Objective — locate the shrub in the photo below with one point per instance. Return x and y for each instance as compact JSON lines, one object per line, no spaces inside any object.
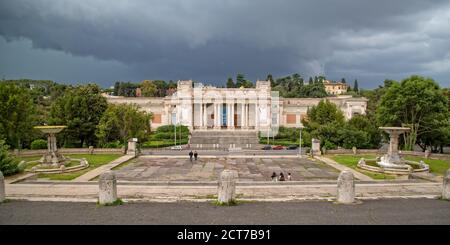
{"x":114,"y":144}
{"x":8,"y":164}
{"x":39,"y":144}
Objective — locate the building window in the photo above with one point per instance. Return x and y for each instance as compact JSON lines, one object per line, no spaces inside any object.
{"x":156,"y":118}
{"x":291,"y":119}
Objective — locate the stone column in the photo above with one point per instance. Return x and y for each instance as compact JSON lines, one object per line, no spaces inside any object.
{"x":228,"y":116}
{"x":315,"y":147}
{"x":132,"y":149}
{"x":2,"y":188}
{"x":393,"y":143}
{"x":346,"y":188}
{"x":107,"y":193}
{"x":200,"y":115}
{"x":216,"y":116}
{"x":232,"y":115}
{"x":205,"y":116}
{"x":242,"y":115}
{"x":256,"y":116}
{"x":227,"y":187}
{"x":446,"y":186}
{"x":246,"y":115}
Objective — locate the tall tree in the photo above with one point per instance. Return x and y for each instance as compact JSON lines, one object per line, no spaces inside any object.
{"x":310,"y":80}
{"x":230,"y":83}
{"x":343,"y":80}
{"x":417,"y":103}
{"x":149,"y":89}
{"x":269,"y":78}
{"x":17,"y":114}
{"x":80,"y":109}
{"x":122,"y":122}
{"x":355,"y":86}
{"x":240,"y":80}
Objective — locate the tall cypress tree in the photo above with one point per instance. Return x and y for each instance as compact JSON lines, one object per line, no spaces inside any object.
{"x":355,"y":86}
{"x":230,"y":83}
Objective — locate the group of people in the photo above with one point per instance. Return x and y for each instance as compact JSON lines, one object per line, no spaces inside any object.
{"x":275,"y":177}
{"x":195,"y":154}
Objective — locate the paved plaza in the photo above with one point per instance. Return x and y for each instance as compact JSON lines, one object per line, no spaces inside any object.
{"x":208,"y":169}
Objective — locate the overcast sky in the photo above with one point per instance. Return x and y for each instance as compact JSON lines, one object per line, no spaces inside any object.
{"x":209,"y":40}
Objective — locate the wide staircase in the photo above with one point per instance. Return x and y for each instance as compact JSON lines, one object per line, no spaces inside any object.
{"x":221,"y":139}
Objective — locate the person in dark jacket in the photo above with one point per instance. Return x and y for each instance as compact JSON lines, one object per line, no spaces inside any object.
{"x":282,"y":177}
{"x":195,"y":155}
{"x":190,"y":155}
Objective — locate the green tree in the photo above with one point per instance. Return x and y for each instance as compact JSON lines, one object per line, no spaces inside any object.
{"x":325,"y":112}
{"x":122,"y":122}
{"x":80,"y":109}
{"x":343,"y":80}
{"x":8,"y":164}
{"x":17,"y":114}
{"x":269,"y":78}
{"x":148,"y":88}
{"x":230,"y":83}
{"x":417,"y":103}
{"x":240,"y":79}
{"x":355,"y":86}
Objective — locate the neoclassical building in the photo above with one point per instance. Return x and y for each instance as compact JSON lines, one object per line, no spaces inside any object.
{"x":237,"y":109}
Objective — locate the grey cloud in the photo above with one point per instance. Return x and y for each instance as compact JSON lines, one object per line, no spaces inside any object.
{"x":210,"y":40}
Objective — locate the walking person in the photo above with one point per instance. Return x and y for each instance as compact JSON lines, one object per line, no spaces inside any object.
{"x":190,"y":155}
{"x":195,"y":155}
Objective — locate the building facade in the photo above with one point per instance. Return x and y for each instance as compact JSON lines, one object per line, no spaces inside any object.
{"x":251,"y":109}
{"x":335,"y":88}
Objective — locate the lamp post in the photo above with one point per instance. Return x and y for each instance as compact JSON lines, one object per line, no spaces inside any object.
{"x":175,"y":129}
{"x":300,"y":143}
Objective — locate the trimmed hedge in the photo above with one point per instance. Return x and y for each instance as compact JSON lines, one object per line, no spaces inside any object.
{"x":38,"y":144}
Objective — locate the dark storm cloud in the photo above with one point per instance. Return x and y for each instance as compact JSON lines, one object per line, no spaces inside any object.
{"x":210,"y":40}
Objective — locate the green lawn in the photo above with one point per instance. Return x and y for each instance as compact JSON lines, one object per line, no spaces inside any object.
{"x":436,"y":166}
{"x":352,"y":160}
{"x":94,"y":160}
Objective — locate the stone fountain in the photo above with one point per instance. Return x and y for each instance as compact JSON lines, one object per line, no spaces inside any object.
{"x":392,"y":162}
{"x":392,"y":159}
{"x":52,"y":156}
{"x":53,"y":162}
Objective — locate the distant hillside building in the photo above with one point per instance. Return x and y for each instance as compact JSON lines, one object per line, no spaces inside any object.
{"x":335,"y":88}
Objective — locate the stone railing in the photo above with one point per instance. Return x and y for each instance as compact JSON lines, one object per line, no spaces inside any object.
{"x":68,"y":151}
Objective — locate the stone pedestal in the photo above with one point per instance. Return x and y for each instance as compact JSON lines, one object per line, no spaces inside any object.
{"x":107,"y":193}
{"x":446,"y":186}
{"x":427,"y":153}
{"x":2,"y":187}
{"x":346,"y":188}
{"x":392,"y":159}
{"x":315,"y":147}
{"x":132,"y":149}
{"x":227,"y":186}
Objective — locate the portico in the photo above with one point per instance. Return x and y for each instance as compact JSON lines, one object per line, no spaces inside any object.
{"x":208,"y":108}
